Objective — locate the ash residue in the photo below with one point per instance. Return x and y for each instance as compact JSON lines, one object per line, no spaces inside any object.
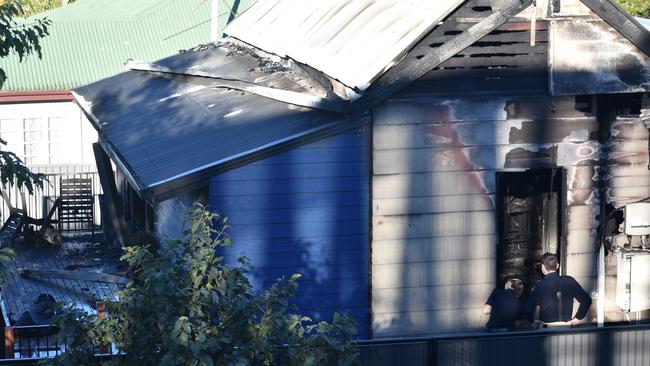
{"x":237,"y":49}
{"x":201,"y":47}
{"x":84,"y":248}
{"x":266,"y":64}
{"x":269,"y":66}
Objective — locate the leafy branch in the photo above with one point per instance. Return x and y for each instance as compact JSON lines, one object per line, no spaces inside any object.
{"x":185,"y":306}
{"x":21,"y":38}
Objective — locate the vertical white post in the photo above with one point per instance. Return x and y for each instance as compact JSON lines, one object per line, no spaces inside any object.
{"x":214,"y":21}
{"x":533,"y":25}
{"x":600,"y":305}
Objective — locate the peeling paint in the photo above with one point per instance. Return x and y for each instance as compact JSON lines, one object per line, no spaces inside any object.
{"x":445,"y":158}
{"x":576,"y":154}
{"x":580,"y":135}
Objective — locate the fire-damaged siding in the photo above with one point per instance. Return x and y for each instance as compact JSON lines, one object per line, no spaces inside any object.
{"x":305,"y":211}
{"x":434,"y":221}
{"x":626,"y":173}
{"x":626,"y":179}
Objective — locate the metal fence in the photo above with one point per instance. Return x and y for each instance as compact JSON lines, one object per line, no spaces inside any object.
{"x":39,"y":203}
{"x":37,"y":342}
{"x":33,"y":341}
{"x":608,"y":346}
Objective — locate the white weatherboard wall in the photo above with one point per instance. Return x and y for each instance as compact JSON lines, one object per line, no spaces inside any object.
{"x":45,"y":134}
{"x":434,"y":221}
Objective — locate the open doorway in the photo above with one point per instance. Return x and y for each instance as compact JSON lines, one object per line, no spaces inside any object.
{"x":529,"y":218}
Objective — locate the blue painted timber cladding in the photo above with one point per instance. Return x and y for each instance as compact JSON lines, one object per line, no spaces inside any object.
{"x":305,"y":211}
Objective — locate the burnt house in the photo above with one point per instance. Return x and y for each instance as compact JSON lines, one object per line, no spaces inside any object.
{"x":404,"y":157}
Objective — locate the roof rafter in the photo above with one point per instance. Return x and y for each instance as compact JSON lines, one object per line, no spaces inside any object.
{"x":397,"y":77}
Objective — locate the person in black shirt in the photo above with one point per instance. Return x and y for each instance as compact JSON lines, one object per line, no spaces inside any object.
{"x":504,"y":306}
{"x":554,"y":294}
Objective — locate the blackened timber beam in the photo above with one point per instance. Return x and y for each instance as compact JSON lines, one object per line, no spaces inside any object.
{"x":399,"y":77}
{"x":623,"y":22}
{"x":107,"y":180}
{"x":72,"y":275}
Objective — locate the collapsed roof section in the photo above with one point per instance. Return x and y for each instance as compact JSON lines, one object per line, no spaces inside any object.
{"x":353,"y":41}
{"x":187,"y":117}
{"x":166,"y":126}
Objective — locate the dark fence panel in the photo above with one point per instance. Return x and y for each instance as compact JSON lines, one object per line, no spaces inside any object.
{"x":621,"y":345}
{"x":413,"y":352}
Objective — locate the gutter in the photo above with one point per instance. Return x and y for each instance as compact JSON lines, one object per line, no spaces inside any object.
{"x":164,"y":189}
{"x":36,"y":96}
{"x":86,"y":107}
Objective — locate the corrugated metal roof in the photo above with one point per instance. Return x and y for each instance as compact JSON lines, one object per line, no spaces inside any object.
{"x":91,"y":39}
{"x":353,"y":41}
{"x":164,"y":127}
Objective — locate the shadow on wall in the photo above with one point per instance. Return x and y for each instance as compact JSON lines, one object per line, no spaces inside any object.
{"x":435,"y":253}
{"x":305,"y":211}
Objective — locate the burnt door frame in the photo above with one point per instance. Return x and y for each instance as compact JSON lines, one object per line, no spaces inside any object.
{"x":559,"y":186}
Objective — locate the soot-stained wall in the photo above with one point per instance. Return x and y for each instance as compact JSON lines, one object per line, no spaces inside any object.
{"x":434,"y":220}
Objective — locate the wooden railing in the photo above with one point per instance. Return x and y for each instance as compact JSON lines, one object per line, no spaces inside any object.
{"x":39,"y":203}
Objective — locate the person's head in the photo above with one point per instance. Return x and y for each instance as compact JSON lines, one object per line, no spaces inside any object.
{"x":549,"y":263}
{"x":516,"y":285}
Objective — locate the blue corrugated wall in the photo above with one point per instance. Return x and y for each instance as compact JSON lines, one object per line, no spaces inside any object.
{"x":305,"y":211}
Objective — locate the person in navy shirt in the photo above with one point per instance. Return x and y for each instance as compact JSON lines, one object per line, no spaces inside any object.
{"x":504,"y":306}
{"x":554,"y":294}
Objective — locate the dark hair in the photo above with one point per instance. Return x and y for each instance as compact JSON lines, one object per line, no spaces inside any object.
{"x":549,"y":261}
{"x":517,"y":286}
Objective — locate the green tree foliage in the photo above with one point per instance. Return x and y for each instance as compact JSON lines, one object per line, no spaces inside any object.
{"x":185,"y":306}
{"x":639,"y":8}
{"x":33,"y":7}
{"x":21,"y":37}
{"x":14,"y":171}
{"x":7,"y":256}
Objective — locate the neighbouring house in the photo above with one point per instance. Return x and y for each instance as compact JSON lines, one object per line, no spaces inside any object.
{"x":88,"y":40}
{"x":404,"y":157}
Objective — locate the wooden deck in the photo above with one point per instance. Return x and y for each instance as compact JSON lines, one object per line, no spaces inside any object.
{"x":78,"y":253}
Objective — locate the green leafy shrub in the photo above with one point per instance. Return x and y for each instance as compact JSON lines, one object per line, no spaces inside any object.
{"x":185,"y":306}
{"x":7,"y":256}
{"x":639,"y":8}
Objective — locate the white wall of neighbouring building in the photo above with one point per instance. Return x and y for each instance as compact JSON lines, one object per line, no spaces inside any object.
{"x":46,"y":134}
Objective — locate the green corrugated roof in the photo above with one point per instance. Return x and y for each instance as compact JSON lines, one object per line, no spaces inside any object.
{"x":91,"y":39}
